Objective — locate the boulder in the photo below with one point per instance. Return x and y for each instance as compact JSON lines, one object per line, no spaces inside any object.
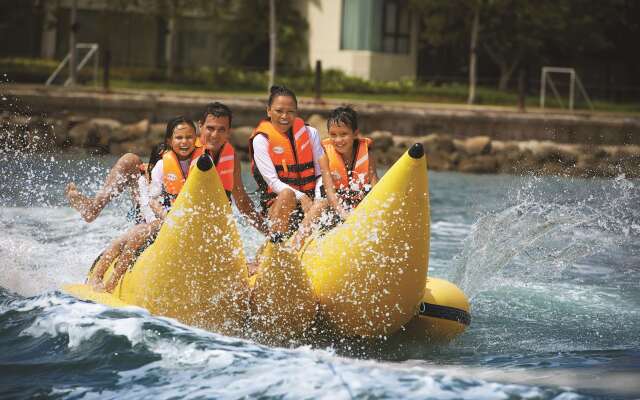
{"x":131,"y":132}
{"x":61,"y":132}
{"x":320,"y":123}
{"x":40,"y":135}
{"x":440,"y":162}
{"x":483,"y":164}
{"x":382,"y":140}
{"x":497,"y":146}
{"x":478,"y":145}
{"x":141,"y":147}
{"x":156,"y":133}
{"x":388,"y":157}
{"x":436,"y":143}
{"x":239,"y":137}
{"x":547,"y":152}
{"x":95,"y":133}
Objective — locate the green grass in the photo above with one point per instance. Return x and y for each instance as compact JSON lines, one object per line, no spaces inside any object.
{"x":230,"y":82}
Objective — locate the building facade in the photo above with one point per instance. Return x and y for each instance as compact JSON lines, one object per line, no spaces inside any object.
{"x":371,"y":39}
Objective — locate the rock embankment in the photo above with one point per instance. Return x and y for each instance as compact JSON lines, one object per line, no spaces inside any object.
{"x":478,"y":154}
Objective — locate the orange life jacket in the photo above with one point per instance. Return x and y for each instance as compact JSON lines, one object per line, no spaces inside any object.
{"x":351,"y":186}
{"x":293,"y":161}
{"x":173,"y":178}
{"x":224,"y":163}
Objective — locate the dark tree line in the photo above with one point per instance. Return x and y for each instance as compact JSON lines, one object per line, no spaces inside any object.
{"x":599,"y":37}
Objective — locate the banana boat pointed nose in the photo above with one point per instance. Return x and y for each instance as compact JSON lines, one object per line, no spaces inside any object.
{"x":416,"y":151}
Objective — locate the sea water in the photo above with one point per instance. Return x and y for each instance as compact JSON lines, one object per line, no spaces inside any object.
{"x":551,"y":266}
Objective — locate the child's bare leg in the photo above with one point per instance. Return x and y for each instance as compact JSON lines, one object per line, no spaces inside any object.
{"x":124,"y":174}
{"x":306,"y":226}
{"x":136,"y":238}
{"x":107,"y":257}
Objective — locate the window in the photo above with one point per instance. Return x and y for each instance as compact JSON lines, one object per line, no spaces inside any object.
{"x":376,"y":25}
{"x":397,"y":27}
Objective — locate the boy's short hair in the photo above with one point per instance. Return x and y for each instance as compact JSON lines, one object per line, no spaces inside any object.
{"x":344,"y":115}
{"x":218,"y":110}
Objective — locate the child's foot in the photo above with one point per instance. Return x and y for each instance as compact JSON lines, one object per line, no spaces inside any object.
{"x":80,"y":202}
{"x":253,"y":267}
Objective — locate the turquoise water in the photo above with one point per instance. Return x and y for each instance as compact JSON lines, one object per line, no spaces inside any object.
{"x":551,"y":266}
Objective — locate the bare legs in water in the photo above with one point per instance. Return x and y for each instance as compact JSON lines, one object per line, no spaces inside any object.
{"x":123,"y":175}
{"x":125,"y":249}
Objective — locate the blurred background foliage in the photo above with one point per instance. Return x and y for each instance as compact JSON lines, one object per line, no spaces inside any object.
{"x":598,"y":38}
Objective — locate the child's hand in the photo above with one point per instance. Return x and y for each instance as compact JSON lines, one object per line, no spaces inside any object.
{"x":305,"y":203}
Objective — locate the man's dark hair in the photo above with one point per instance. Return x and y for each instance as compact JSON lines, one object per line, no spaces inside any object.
{"x":343,"y":115}
{"x":276,"y":91}
{"x":218,"y":110}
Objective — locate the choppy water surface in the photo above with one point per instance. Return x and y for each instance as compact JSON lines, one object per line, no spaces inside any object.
{"x":551,"y":265}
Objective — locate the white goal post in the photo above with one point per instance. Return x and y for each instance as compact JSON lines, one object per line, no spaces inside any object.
{"x":573,"y":80}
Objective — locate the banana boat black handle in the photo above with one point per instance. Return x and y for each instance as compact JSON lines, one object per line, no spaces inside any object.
{"x":204,"y":163}
{"x":416,"y":151}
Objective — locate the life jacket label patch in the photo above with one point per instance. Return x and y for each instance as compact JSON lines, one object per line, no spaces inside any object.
{"x":172,"y":177}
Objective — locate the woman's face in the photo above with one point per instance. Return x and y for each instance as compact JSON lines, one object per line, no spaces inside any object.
{"x":342,"y":138}
{"x":282,"y":113}
{"x":183,"y":141}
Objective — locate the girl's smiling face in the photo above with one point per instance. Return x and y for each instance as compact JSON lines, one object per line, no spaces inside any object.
{"x":342,"y":137}
{"x":282,"y":113}
{"x":183,"y":141}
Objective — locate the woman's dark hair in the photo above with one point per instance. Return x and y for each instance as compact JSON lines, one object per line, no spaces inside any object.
{"x":218,"y":110}
{"x":171,"y":125}
{"x":276,"y":91}
{"x":156,"y":155}
{"x":343,"y":115}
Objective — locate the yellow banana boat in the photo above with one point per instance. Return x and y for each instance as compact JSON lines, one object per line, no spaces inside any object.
{"x":195,"y":271}
{"x":369,"y":275}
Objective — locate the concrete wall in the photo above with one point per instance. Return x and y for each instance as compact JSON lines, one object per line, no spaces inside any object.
{"x":407,"y":120}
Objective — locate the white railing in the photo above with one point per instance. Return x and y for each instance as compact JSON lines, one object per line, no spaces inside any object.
{"x":93,"y":52}
{"x":573,"y":80}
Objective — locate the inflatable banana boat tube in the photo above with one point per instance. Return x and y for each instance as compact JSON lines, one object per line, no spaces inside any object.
{"x":195,"y":271}
{"x":367,"y":277}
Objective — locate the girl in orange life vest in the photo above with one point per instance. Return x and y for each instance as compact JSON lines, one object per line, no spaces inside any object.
{"x":215,"y":128}
{"x":352,"y":169}
{"x":285,"y":156}
{"x":180,"y":137}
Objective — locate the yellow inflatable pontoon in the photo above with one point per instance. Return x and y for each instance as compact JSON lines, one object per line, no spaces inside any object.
{"x":367,"y":277}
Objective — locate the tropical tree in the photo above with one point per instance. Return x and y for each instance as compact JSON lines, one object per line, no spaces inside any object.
{"x":246,"y":27}
{"x":512,"y":33}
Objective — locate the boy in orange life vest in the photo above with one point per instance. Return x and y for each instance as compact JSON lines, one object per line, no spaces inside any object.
{"x":352,"y":169}
{"x":215,"y":128}
{"x":285,"y":161}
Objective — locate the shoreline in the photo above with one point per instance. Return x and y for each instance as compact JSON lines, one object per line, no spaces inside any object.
{"x":445,"y":152}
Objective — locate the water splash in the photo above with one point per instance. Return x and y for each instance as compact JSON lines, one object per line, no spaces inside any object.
{"x":551,"y":225}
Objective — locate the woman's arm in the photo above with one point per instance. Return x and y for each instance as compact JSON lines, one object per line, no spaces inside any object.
{"x":267,"y":170}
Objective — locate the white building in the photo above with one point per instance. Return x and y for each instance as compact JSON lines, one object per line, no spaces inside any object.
{"x":371,"y":39}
